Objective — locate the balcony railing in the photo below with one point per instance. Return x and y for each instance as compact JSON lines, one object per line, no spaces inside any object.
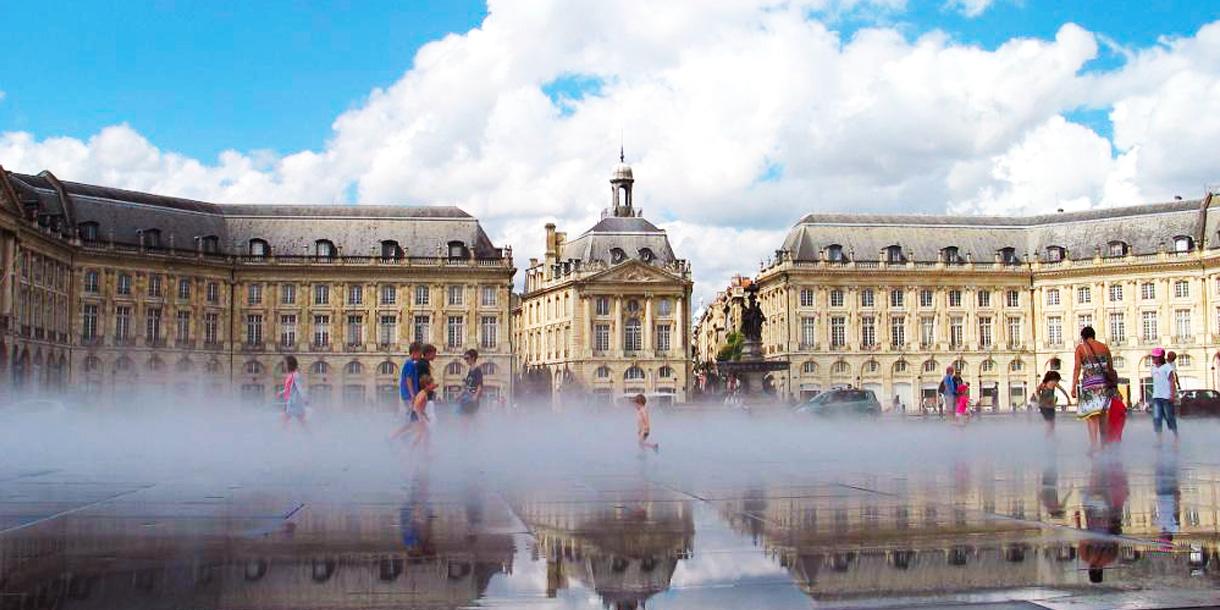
{"x":286,"y":346}
{"x":255,"y":346}
{"x":184,"y":344}
{"x":93,"y":341}
{"x":320,"y":347}
{"x":155,"y":342}
{"x":353,"y":347}
{"x":124,"y":341}
{"x":213,"y":345}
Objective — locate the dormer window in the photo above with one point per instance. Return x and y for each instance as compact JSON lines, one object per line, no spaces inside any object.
{"x":457,"y":249}
{"x":88,"y":232}
{"x":259,"y":248}
{"x":1183,"y":244}
{"x":893,"y":254}
{"x":1055,"y":254}
{"x":324,"y":248}
{"x":152,"y":238}
{"x":646,"y":255}
{"x":390,"y":250}
{"x":210,"y":244}
{"x":617,"y":255}
{"x":1008,"y":256}
{"x":834,"y":253}
{"x":952,"y":255}
{"x":1116,"y":248}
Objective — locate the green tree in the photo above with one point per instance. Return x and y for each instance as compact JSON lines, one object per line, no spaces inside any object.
{"x":731,"y":350}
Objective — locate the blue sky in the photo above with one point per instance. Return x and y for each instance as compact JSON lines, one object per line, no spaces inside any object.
{"x":202,"y":77}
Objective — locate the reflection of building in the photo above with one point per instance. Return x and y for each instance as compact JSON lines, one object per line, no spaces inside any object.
{"x":887,"y":302}
{"x":110,"y":287}
{"x":327,"y":560}
{"x":625,"y":553}
{"x":607,"y":311}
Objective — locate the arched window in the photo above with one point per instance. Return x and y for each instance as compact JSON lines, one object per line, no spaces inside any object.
{"x":959,"y":367}
{"x":634,"y":373}
{"x":617,"y":255}
{"x":1055,"y":254}
{"x":353,"y":368}
{"x":1184,"y":360}
{"x":809,"y":367}
{"x":952,"y":255}
{"x":930,"y":366}
{"x":632,"y":337}
{"x":893,"y":254}
{"x":665,"y":372}
{"x":457,"y":249}
{"x":987,"y":366}
{"x":319,"y":368}
{"x":254,"y":367}
{"x":872,"y":366}
{"x":88,"y":232}
{"x":840,"y":367}
{"x":259,"y":248}
{"x":93,"y":364}
{"x":1116,"y":248}
{"x":603,"y":372}
{"x":387,"y":368}
{"x":1183,"y":244}
{"x":488,"y":368}
{"x":901,"y":366}
{"x":152,"y":238}
{"x":1016,"y":366}
{"x":390,"y":250}
{"x":454,"y":368}
{"x":1119,"y":362}
{"x":834,"y":253}
{"x":1008,"y":256}
{"x":324,"y":248}
{"x":646,"y":255}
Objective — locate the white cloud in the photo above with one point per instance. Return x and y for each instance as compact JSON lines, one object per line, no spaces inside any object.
{"x":969,"y":8}
{"x":711,"y":96}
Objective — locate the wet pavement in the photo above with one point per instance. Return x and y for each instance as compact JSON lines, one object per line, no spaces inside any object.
{"x":1129,"y":530}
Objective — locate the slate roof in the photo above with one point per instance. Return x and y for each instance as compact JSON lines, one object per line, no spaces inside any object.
{"x":1144,"y":228}
{"x":631,"y":234}
{"x":288,"y":229}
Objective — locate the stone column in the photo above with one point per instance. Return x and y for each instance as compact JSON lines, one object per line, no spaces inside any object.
{"x":616,"y":327}
{"x":585,"y":325}
{"x":647,"y":327}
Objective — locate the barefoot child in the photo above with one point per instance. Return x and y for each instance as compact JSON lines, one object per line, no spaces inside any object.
{"x":643,"y":423}
{"x":421,"y":421}
{"x":1046,"y":399}
{"x":293,"y":393}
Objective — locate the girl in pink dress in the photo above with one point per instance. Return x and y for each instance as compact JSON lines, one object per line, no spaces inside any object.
{"x":963,"y":402}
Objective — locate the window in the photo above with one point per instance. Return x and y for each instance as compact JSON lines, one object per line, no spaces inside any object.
{"x":184,"y":289}
{"x":321,"y":294}
{"x":152,"y":238}
{"x":488,"y":296}
{"x":952,"y":255}
{"x":1083,"y":320}
{"x":665,"y":307}
{"x":254,"y":294}
{"x":457,"y":249}
{"x":319,"y":368}
{"x":489,"y":332}
{"x":987,"y":366}
{"x":1014,"y":332}
{"x":927,"y":332}
{"x":1012,"y":298}
{"x":253,"y":367}
{"x":213,"y":292}
{"x":1181,"y":289}
{"x":323,"y":248}
{"x":955,"y":298}
{"x":984,"y":298}
{"x":1055,"y":254}
{"x":353,"y":368}
{"x":1016,"y":366}
{"x":806,"y":297}
{"x":355,"y":294}
{"x":210,"y":244}
{"x":91,"y":282}
{"x":1054,"y":330}
{"x":88,"y":232}
{"x":603,"y":372}
{"x":646,"y":255}
{"x":809,"y":367}
{"x":1119,"y":362}
{"x":1116,"y":293}
{"x":602,"y":306}
{"x":421,"y":330}
{"x":321,"y":330}
{"x":898,"y":332}
{"x":601,"y":337}
{"x":1147,"y":291}
{"x":617,"y":255}
{"x":1052,"y":296}
{"x":1008,"y":256}
{"x":254,"y":329}
{"x":867,"y":298}
{"x":897,"y":298}
{"x":288,"y":330}
{"x":455,"y":332}
{"x":834,"y":253}
{"x":1117,"y":330}
{"x":872,"y":366}
{"x":456,"y":294}
{"x":957,"y":333}
{"x":182,"y":326}
{"x":925,"y":298}
{"x":1084,"y":295}
{"x":387,"y":369}
{"x":1183,"y":244}
{"x":634,"y":373}
{"x":152,"y":324}
{"x":893,"y":254}
{"x":211,"y":328}
{"x":633,"y":306}
{"x":665,"y":372}
{"x":901,"y":366}
{"x":423,"y":295}
{"x":390,"y":250}
{"x":808,"y":332}
{"x":838,"y":331}
{"x":1148,"y":326}
{"x":89,"y":322}
{"x":387,"y":329}
{"x":1184,"y":360}
{"x":355,"y":330}
{"x":632,"y":340}
{"x":836,"y":298}
{"x":1116,"y":248}
{"x":985,"y":339}
{"x":288,"y":294}
{"x":868,"y":331}
{"x":1181,"y":325}
{"x":259,"y":248}
{"x":840,"y":367}
{"x":663,"y":337}
{"x":123,"y":284}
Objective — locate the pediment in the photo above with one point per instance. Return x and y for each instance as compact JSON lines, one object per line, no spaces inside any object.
{"x":635,"y":272}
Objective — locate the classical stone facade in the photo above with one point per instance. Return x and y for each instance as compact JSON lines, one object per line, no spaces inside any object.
{"x":606,"y":313}
{"x":887,"y":302}
{"x":116,"y":291}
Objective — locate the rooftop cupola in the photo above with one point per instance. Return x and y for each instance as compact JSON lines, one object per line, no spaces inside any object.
{"x":621,"y":181}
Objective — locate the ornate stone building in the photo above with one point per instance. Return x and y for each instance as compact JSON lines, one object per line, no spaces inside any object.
{"x":607,"y":312}
{"x":116,"y":291}
{"x":887,"y":302}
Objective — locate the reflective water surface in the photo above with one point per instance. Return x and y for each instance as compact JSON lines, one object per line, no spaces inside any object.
{"x":764,"y":527}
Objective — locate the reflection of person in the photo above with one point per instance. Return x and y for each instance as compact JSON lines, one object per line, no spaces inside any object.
{"x":1168,"y":497}
{"x":1103,"y":501}
{"x":643,"y":423}
{"x":1164,"y":388}
{"x":1091,"y":381}
{"x":293,"y":393}
{"x":1049,"y":494}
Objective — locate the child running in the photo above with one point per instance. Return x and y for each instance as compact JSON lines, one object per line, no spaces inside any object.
{"x":422,"y":422}
{"x":293,"y":393}
{"x":1046,"y":399}
{"x":408,"y":388}
{"x":643,"y":423}
{"x":963,"y":402}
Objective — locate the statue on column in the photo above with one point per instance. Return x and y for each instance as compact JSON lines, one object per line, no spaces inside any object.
{"x":752,"y":317}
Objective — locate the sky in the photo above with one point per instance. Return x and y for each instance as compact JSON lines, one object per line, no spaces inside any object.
{"x":738,"y":116}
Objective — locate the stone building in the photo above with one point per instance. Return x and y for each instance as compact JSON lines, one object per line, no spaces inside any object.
{"x":886,"y":302}
{"x":116,"y":291}
{"x":607,"y":312}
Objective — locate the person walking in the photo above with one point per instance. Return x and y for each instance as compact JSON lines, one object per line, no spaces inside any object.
{"x":961,"y":414}
{"x":293,"y":393}
{"x":1045,"y":396}
{"x":948,"y":392}
{"x":1164,"y":388}
{"x":1094,"y":382}
{"x":472,"y":391}
{"x":643,"y":424}
{"x":408,"y":387}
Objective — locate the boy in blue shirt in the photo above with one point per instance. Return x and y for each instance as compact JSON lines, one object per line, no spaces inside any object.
{"x":408,"y":387}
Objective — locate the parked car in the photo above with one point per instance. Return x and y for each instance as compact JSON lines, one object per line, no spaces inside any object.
{"x":842,"y":402}
{"x":1199,"y":402}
